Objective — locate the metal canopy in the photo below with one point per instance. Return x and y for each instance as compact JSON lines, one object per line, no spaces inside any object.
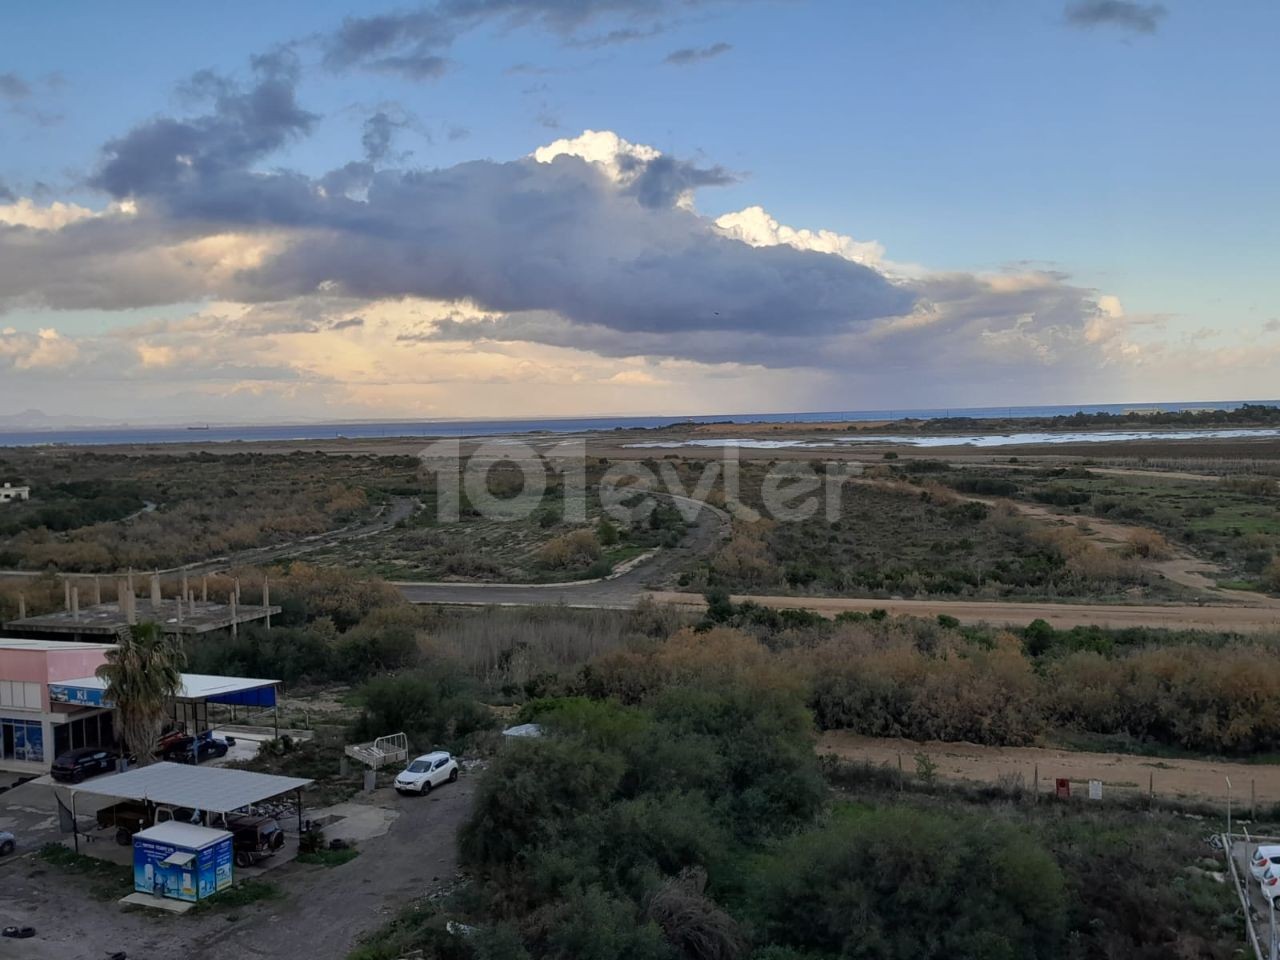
{"x":242,"y":691}
{"x":211,"y":789}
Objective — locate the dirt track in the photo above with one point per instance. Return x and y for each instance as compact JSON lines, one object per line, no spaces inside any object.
{"x":1181,"y":779}
{"x":1063,"y":615}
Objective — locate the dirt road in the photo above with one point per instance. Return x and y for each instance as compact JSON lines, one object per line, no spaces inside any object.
{"x":1062,"y":615}
{"x":1174,"y":779}
{"x":321,"y":917}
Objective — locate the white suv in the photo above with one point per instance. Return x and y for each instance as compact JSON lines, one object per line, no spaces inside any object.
{"x":429,"y":770}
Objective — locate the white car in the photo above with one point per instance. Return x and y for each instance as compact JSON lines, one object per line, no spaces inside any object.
{"x":1266,"y":855}
{"x":429,"y":770}
{"x":1270,"y":881}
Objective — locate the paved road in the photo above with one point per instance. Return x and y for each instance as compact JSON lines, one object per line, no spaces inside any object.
{"x":709,"y":526}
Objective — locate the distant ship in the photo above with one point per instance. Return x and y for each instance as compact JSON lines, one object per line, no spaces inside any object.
{"x":205,"y":427}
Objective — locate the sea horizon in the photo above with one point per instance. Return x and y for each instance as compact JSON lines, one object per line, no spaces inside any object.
{"x":197,"y":432}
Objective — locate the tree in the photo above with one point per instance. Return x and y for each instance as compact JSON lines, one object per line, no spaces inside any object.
{"x":143,"y":675}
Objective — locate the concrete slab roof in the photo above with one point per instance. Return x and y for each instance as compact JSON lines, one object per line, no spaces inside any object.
{"x":104,"y":619}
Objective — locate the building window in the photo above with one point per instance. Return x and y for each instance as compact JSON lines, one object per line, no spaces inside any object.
{"x":21,"y":740}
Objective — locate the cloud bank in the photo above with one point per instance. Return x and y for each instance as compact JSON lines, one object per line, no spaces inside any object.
{"x":584,"y":268}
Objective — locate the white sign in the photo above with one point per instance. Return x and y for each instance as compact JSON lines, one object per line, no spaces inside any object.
{"x":1095,"y":789}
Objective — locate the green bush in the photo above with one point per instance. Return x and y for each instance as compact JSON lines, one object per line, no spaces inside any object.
{"x":903,"y":883}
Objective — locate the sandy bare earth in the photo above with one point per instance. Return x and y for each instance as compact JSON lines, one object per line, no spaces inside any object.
{"x":1255,"y":619}
{"x":1183,"y":779}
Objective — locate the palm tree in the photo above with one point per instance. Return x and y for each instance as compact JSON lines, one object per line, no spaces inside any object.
{"x":143,"y":675}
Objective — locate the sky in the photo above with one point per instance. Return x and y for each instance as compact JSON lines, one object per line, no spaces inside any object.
{"x":505,"y":208}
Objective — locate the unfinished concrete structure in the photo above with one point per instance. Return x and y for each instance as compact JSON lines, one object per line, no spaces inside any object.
{"x":180,"y":613}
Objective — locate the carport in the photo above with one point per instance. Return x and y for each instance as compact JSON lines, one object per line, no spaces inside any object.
{"x":211,"y":791}
{"x":191,"y":705}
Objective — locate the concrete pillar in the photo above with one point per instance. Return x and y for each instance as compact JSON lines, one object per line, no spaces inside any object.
{"x":97,"y":591}
{"x":178,"y":603}
{"x":155,"y":593}
{"x":22,"y":606}
{"x":130,"y":579}
{"x":204,"y":589}
{"x":235,"y":630}
{"x":236,"y":582}
{"x":370,"y":780}
{"x":266,"y":599}
{"x":183,"y":594}
{"x":66,"y":594}
{"x":132,"y":615}
{"x":75,"y":603}
{"x":122,"y":598}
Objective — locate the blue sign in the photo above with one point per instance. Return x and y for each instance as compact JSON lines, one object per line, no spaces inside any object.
{"x":80,"y":696}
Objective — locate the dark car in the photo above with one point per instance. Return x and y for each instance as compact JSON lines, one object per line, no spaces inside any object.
{"x":202,"y":747}
{"x":75,"y":765}
{"x":254,"y":837}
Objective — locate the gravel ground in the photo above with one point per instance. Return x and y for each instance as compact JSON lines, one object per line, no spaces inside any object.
{"x":321,"y":916}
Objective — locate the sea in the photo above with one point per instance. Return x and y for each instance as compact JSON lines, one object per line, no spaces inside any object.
{"x":213,"y":433}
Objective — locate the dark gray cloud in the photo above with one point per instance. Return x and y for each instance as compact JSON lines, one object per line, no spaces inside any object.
{"x":414,"y":43}
{"x":6,"y":195}
{"x":562,"y":237}
{"x":595,"y":256}
{"x":13,"y":87}
{"x":379,"y":132}
{"x":662,"y":181}
{"x":245,"y":126}
{"x":686,"y":56}
{"x":1122,"y":14}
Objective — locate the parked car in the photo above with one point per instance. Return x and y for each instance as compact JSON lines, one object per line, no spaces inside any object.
{"x":130,"y":816}
{"x":1270,"y":881}
{"x":1266,"y":855}
{"x":429,"y":770}
{"x":254,"y":837}
{"x":204,"y":745}
{"x":75,"y":765}
{"x":8,"y":843}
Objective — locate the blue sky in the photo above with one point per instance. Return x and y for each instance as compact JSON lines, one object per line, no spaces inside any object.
{"x":977,"y":137}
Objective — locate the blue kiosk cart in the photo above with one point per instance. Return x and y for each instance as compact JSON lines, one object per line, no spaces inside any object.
{"x":181,"y":861}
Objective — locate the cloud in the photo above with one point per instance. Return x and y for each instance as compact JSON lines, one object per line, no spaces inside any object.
{"x":690,"y":55}
{"x":379,"y":131}
{"x":6,"y":194}
{"x":590,"y":253}
{"x":13,"y":87}
{"x":415,"y":43}
{"x":1121,"y":14}
{"x":245,"y":126}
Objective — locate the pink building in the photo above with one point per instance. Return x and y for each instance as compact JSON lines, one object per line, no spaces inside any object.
{"x":33,"y":729}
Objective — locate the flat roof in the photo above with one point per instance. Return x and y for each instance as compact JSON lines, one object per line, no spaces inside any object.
{"x":212,"y":789}
{"x":195,"y":686}
{"x":179,"y":834}
{"x":24,"y":644}
{"x":104,"y":619}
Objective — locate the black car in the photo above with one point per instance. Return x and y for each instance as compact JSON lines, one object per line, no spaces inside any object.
{"x":203,"y":746}
{"x":74,"y":765}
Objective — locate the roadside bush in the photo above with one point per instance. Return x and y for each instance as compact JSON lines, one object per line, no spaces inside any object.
{"x":435,"y":708}
{"x":578,"y":548}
